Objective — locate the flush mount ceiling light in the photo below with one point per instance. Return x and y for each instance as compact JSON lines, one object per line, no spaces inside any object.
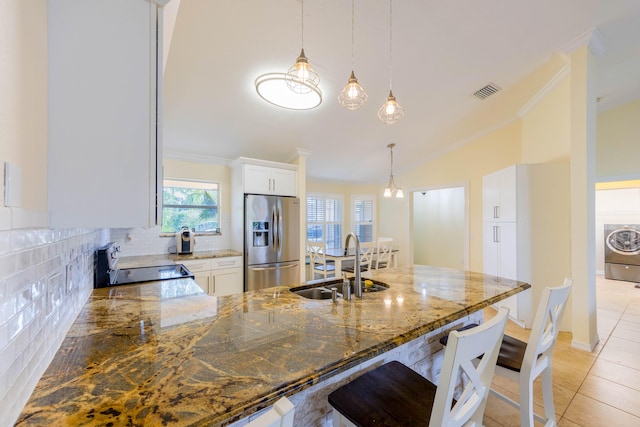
{"x":352,"y":96}
{"x":391,"y":111}
{"x":392,"y":190}
{"x":297,"y":89}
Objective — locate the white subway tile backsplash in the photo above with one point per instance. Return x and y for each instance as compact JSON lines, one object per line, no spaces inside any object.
{"x":46,"y":276}
{"x":147,"y":241}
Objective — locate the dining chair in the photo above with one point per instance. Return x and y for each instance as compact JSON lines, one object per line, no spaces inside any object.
{"x":383,"y":253}
{"x":395,"y":395}
{"x":318,"y":260}
{"x":524,"y":362}
{"x":280,"y":415}
{"x":367,"y":250}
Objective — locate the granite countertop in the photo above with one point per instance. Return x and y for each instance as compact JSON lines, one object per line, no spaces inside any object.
{"x":162,"y":259}
{"x":165,"y":353}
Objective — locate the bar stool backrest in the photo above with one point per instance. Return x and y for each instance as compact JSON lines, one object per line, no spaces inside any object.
{"x":459,"y":356}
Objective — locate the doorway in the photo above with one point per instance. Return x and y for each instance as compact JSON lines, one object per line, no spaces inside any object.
{"x":440,"y":226}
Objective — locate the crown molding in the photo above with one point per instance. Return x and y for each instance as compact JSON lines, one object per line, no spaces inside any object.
{"x":299,"y":153}
{"x":592,"y":38}
{"x":564,"y":71}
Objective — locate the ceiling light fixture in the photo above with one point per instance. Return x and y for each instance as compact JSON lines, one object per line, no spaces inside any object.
{"x":352,"y":96}
{"x":391,"y":111}
{"x":296,"y":89}
{"x":392,"y":189}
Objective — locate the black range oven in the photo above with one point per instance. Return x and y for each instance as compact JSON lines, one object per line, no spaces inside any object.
{"x":107,"y":274}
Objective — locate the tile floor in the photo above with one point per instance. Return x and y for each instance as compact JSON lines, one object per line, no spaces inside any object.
{"x":601,"y":388}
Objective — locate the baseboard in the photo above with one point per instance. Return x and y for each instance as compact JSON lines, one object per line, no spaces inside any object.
{"x":584,"y":346}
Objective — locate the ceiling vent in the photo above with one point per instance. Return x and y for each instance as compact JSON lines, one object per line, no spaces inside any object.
{"x":487,"y":91}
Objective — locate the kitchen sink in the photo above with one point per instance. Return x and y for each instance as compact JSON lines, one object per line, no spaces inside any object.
{"x":322,"y":290}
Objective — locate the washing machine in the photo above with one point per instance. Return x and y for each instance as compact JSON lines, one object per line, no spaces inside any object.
{"x":622,"y":252}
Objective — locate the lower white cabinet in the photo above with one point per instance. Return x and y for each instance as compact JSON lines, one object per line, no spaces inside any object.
{"x":217,"y":276}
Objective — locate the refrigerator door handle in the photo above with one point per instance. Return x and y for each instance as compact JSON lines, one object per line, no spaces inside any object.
{"x":280,"y":228}
{"x":274,"y":231}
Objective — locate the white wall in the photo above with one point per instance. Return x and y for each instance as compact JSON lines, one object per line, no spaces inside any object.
{"x":439,"y":227}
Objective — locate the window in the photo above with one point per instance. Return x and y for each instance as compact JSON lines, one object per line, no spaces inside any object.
{"x":324,"y":219}
{"x":193,"y":204}
{"x":363,"y":222}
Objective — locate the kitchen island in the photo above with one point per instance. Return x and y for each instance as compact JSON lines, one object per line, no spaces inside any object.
{"x":165,"y":353}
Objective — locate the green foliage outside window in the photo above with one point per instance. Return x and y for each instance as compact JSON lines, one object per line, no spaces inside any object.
{"x":193,"y":204}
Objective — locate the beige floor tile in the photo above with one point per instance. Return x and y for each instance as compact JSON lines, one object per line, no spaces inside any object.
{"x":614,"y":372}
{"x":623,"y":345}
{"x":587,"y":412}
{"x":631,"y":317}
{"x":563,"y":422}
{"x":621,"y":357}
{"x":625,"y":331}
{"x":613,"y":394}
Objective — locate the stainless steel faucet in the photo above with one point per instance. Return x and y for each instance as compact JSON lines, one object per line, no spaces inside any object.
{"x":357,"y":285}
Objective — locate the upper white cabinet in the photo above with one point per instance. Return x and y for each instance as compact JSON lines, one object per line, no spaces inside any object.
{"x":104,"y":95}
{"x":276,"y":179}
{"x":499,"y":191}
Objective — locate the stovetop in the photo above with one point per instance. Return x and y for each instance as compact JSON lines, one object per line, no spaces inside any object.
{"x":106,"y":273}
{"x":149,"y":274}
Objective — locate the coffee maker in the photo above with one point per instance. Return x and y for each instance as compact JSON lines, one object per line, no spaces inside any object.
{"x":185,"y":241}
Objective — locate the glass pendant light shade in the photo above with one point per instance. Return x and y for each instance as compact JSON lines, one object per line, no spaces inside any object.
{"x":352,"y":96}
{"x":302,"y":75}
{"x":392,"y":189}
{"x":391,"y":111}
{"x":297,"y":89}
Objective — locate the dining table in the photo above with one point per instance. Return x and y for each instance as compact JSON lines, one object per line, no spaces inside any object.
{"x":340,"y":255}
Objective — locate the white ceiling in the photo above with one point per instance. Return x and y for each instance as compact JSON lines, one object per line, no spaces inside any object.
{"x":443,"y":51}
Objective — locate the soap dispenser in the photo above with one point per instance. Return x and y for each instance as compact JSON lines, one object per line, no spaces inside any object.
{"x":346,"y":287}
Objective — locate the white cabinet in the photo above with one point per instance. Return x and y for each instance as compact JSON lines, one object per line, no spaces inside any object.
{"x":499,"y":195}
{"x":526,"y":231}
{"x":104,"y":92}
{"x":269,"y":180}
{"x":217,"y":276}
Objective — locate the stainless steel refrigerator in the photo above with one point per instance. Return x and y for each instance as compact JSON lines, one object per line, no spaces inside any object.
{"x":271,"y":241}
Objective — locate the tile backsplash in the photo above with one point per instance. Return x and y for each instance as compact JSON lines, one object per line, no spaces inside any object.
{"x":46,"y":276}
{"x":147,"y":241}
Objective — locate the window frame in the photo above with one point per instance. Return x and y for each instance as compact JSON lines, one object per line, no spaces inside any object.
{"x":324,"y":223}
{"x":354,"y":221}
{"x":217,"y":207}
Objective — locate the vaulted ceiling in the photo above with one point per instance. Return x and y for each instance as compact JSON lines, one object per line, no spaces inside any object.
{"x":442,"y":52}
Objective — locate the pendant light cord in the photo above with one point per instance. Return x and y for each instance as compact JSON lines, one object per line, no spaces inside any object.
{"x":302,"y":24}
{"x":353,"y":23}
{"x":390,"y":48}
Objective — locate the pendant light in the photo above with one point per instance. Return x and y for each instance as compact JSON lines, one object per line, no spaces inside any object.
{"x":391,"y":111}
{"x":352,"y":96}
{"x":392,"y":190}
{"x":301,"y":77}
{"x":297,"y":89}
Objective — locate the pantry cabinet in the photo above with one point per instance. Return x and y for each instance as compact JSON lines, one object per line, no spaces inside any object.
{"x":526,"y":231}
{"x":217,"y":276}
{"x":105,"y":94}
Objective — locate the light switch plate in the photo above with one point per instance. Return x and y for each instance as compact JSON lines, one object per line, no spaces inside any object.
{"x":12,"y":185}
